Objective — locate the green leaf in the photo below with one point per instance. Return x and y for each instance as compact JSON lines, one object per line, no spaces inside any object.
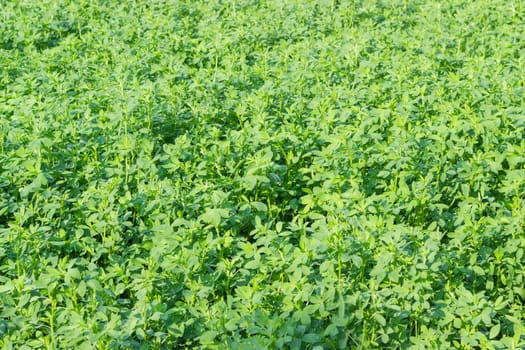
{"x":252,"y":264}
{"x":260,"y":206}
{"x":311,"y":338}
{"x":208,"y":337}
{"x":494,"y":331}
{"x":249,"y":182}
{"x":214,"y":216}
{"x":81,"y":289}
{"x":380,"y":319}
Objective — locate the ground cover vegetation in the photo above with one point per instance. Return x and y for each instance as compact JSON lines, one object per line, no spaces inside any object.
{"x":262,"y":174}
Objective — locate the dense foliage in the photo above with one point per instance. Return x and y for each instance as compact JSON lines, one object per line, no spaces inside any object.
{"x":304,"y":174}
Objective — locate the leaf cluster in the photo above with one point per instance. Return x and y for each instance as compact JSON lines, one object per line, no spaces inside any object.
{"x":262,"y":174}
